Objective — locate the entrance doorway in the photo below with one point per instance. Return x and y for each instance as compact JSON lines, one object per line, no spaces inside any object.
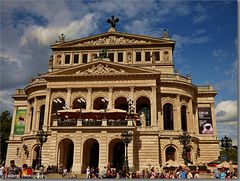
{"x":116,"y":153}
{"x":66,"y":150}
{"x":90,"y":154}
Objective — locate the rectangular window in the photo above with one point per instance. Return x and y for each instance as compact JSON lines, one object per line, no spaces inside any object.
{"x":67,"y":59}
{"x":147,"y":56}
{"x":76,"y":57}
{"x":84,"y":58}
{"x":120,"y":57}
{"x":138,"y":57}
{"x":157,"y":56}
{"x":111,"y":56}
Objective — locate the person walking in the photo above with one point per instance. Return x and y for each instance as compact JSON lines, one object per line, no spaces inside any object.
{"x":2,"y":171}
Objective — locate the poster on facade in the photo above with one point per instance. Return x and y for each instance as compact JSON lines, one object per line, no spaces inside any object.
{"x":20,"y":121}
{"x":205,"y":120}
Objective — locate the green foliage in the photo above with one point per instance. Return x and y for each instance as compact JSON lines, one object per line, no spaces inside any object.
{"x":5,"y":125}
{"x":232,"y":154}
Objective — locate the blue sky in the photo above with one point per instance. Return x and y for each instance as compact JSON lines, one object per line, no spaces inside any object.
{"x":205,"y":34}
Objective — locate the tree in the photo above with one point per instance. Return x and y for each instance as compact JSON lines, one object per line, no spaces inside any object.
{"x":232,"y":154}
{"x":5,"y":125}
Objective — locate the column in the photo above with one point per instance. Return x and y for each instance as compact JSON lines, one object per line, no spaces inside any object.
{"x":110,"y":98}
{"x":37,"y":120}
{"x":28,"y":118}
{"x":71,"y":58}
{"x":47,"y":111}
{"x":134,"y":57}
{"x":89,"y":98}
{"x":13,"y":120}
{"x":124,"y":57}
{"x":115,"y":56}
{"x":68,"y":98}
{"x":177,"y":115}
{"x":34,"y":114}
{"x":80,"y":58}
{"x":154,"y":106}
{"x":190,"y":118}
{"x":133,"y":97}
{"x":195,"y":117}
{"x":89,"y":57}
{"x":213,"y":119}
{"x":143,"y":55}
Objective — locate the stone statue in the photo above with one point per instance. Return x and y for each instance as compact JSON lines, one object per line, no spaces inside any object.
{"x":103,"y":53}
{"x":166,"y":56}
{"x":113,"y":22}
{"x":143,"y":119}
{"x":129,"y":57}
{"x":50,"y":61}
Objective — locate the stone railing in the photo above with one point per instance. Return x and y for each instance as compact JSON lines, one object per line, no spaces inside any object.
{"x":117,"y":122}
{"x":90,"y":122}
{"x":176,"y":77}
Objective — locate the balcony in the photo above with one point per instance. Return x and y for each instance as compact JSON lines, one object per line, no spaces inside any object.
{"x":67,"y":122}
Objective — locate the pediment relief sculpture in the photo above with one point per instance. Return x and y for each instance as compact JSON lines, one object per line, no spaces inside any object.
{"x":100,"y":69}
{"x":112,"y":40}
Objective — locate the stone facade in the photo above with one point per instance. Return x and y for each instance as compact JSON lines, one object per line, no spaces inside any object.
{"x":137,"y":67}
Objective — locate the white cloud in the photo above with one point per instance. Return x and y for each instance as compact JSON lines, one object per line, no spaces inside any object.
{"x":226,"y":111}
{"x":46,"y":36}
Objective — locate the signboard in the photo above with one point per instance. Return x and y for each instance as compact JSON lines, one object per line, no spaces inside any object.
{"x":20,"y":121}
{"x":205,"y":120}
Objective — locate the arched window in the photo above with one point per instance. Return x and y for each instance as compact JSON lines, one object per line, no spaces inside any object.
{"x":184,"y":118}
{"x":144,"y":106}
{"x":168,"y":116}
{"x":170,"y":153}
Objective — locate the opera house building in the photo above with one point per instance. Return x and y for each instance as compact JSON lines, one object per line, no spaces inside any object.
{"x":102,"y":86}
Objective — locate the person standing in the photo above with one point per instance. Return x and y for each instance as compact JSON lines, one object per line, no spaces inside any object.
{"x":2,"y":170}
{"x":13,"y":171}
{"x":88,"y":172}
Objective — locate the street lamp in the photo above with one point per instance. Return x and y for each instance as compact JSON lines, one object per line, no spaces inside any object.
{"x":41,"y":138}
{"x":105,"y":105}
{"x":226,"y":144}
{"x":126,"y":138}
{"x":185,"y":140}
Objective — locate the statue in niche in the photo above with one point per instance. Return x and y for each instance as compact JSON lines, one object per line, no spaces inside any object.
{"x":166,"y":56}
{"x":129,"y":57}
{"x":143,"y":119}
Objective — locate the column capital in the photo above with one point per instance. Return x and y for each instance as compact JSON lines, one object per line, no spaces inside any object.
{"x":69,"y":89}
{"x":110,"y":89}
{"x":89,"y":89}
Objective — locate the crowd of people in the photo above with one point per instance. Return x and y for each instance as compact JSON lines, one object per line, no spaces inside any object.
{"x":182,"y":172}
{"x":16,"y":172}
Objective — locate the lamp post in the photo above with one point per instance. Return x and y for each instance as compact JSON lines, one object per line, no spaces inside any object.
{"x":226,"y":144}
{"x":81,"y":102}
{"x":185,"y":140}
{"x":41,"y":138}
{"x":126,"y":138}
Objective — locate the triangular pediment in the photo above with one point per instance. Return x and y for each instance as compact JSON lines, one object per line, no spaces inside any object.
{"x":113,"y":38}
{"x":102,"y":68}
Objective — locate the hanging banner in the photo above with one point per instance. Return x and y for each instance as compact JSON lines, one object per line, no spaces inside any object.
{"x":205,"y":120}
{"x":20,"y":121}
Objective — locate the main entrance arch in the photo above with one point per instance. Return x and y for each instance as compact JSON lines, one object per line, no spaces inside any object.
{"x":116,"y":153}
{"x":66,"y":151}
{"x":90,"y":154}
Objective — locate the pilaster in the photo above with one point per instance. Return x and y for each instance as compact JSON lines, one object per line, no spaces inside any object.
{"x":28,"y":119}
{"x":213,"y":119}
{"x":77,"y":161}
{"x":34,"y":114}
{"x":103,"y":155}
{"x":46,"y":123}
{"x":68,"y":98}
{"x":177,"y":115}
{"x":110,"y":97}
{"x":190,"y":116}
{"x":154,"y":107}
{"x":143,"y":55}
{"x":89,"y":98}
{"x":115,"y":56}
{"x":13,"y":120}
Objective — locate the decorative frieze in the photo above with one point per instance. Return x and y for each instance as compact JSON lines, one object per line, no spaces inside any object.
{"x":112,"y":40}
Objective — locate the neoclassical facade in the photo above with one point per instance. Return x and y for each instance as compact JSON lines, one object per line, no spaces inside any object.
{"x":115,"y":66}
